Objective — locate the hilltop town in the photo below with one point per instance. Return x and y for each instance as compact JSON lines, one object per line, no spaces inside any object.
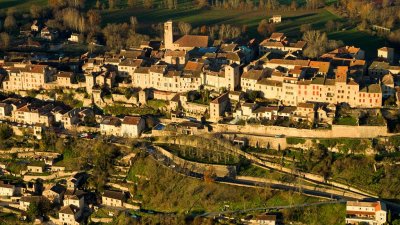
{"x":188,"y":128}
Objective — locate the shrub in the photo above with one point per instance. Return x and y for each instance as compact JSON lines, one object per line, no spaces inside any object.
{"x":295,"y":141}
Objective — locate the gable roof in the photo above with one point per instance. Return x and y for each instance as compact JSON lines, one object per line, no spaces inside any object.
{"x":131,"y":120}
{"x":192,"y":41}
{"x":69,"y":209}
{"x":253,"y":74}
{"x":114,"y":195}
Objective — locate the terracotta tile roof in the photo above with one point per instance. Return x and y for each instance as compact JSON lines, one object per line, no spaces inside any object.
{"x":277,"y":35}
{"x":114,"y":195}
{"x":69,"y":209}
{"x":388,"y":79}
{"x":131,"y":120}
{"x":34,"y":68}
{"x":131,"y":62}
{"x":361,"y":204}
{"x":323,"y":67}
{"x":176,"y":53}
{"x":304,"y":82}
{"x":228,"y":47}
{"x":3,"y":185}
{"x":269,"y":43}
{"x":305,"y":105}
{"x":158,"y":68}
{"x":173,"y":73}
{"x":253,"y":74}
{"x":341,"y":73}
{"x":300,"y":44}
{"x":374,"y":88}
{"x":352,"y":82}
{"x":194,"y":66}
{"x":269,"y":82}
{"x":111,"y":120}
{"x":220,"y":99}
{"x":192,"y":41}
{"x":142,"y":70}
{"x":290,"y":62}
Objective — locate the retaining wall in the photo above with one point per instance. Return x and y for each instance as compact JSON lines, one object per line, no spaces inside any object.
{"x":220,"y":170}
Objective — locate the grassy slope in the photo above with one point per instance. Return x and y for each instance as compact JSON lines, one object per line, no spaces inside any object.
{"x":291,"y":22}
{"x":172,"y":192}
{"x":358,"y":38}
{"x":21,"y":4}
{"x":199,"y":17}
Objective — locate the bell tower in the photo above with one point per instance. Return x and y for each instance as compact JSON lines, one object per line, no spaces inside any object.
{"x":168,"y":35}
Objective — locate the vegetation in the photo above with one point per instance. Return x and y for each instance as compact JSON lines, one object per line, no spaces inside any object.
{"x":348,"y":121}
{"x":164,"y":190}
{"x":81,"y":154}
{"x":314,"y":215}
{"x":295,"y":141}
{"x":119,"y":109}
{"x":202,"y":155}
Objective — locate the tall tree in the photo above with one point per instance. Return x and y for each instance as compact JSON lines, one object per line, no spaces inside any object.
{"x":264,"y":28}
{"x":148,"y":4}
{"x":10,"y":23}
{"x":131,"y":3}
{"x":4,"y":43}
{"x":185,"y":28}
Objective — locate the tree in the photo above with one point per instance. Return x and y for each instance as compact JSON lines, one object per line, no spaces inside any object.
{"x":293,"y":5}
{"x":10,"y":23}
{"x":4,"y":40}
{"x":33,"y":211}
{"x":93,"y":19}
{"x":135,"y":39}
{"x":264,"y":28}
{"x":202,"y":3}
{"x":112,"y":3}
{"x":131,"y":3}
{"x":134,"y":22}
{"x":209,"y":174}
{"x":5,"y":132}
{"x":98,"y":4}
{"x":185,"y":28}
{"x":36,"y":11}
{"x":148,"y":4}
{"x":316,"y":43}
{"x":330,"y":25}
{"x":305,"y":27}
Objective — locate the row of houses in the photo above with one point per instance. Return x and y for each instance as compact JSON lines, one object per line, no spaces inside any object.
{"x":74,"y":203}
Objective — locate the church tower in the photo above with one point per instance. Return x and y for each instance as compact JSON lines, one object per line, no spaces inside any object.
{"x":168,"y":35}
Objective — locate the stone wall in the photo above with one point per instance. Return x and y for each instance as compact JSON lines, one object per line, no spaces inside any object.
{"x":260,"y":141}
{"x":200,"y":168}
{"x":337,"y":131}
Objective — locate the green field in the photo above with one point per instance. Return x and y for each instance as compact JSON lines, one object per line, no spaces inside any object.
{"x":21,"y":4}
{"x":361,"y":39}
{"x":292,"y":20}
{"x":162,"y":189}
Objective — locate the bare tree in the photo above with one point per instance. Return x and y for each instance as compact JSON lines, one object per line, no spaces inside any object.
{"x":93,"y":19}
{"x":305,"y":27}
{"x":131,"y":3}
{"x":10,"y":22}
{"x":185,"y":28}
{"x":264,"y":28}
{"x":316,"y":43}
{"x":134,"y":22}
{"x":36,"y":11}
{"x":148,"y":4}
{"x":4,"y":40}
{"x":330,"y":25}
